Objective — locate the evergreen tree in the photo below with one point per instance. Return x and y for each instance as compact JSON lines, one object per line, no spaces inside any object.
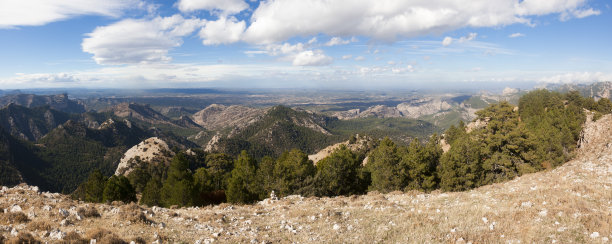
{"x":151,"y":194}
{"x":242,"y":186}
{"x":461,"y":167}
{"x":94,"y":187}
{"x":178,"y":188}
{"x":291,"y":172}
{"x":118,"y":188}
{"x":340,"y":173}
{"x":384,"y":167}
{"x":219,"y":167}
{"x":265,"y":176}
{"x":420,"y":162}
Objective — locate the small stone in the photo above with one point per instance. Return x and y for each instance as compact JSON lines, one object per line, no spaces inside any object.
{"x":594,"y":234}
{"x":14,"y":232}
{"x":57,"y":235}
{"x":65,"y":222}
{"x":15,"y":209}
{"x":485,"y":220}
{"x":543,"y":213}
{"x":63,"y":212}
{"x":336,"y":227}
{"x":92,"y":241}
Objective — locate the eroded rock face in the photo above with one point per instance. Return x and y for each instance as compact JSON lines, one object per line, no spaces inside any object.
{"x":146,"y":151}
{"x":421,"y":108}
{"x":216,"y":116}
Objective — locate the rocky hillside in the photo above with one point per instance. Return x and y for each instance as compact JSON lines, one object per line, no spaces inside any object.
{"x":30,"y":124}
{"x":139,"y":112}
{"x":442,"y":111}
{"x":569,"y":204}
{"x":58,"y":102}
{"x":145,"y":152}
{"x":216,"y":116}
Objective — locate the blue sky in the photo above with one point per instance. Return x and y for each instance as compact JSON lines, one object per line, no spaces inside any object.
{"x":302,"y":43}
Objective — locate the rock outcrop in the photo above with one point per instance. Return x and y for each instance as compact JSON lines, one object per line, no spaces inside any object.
{"x":216,"y":116}
{"x":145,"y":152}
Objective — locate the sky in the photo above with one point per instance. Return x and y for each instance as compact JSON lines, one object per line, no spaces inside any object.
{"x":302,"y":43}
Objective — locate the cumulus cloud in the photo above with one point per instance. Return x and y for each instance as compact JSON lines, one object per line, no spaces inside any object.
{"x":14,"y":13}
{"x":225,"y":7}
{"x":449,"y":40}
{"x":387,"y":20}
{"x":133,"y":41}
{"x":312,"y":58}
{"x":346,"y":57}
{"x":360,"y":58}
{"x":222,"y":31}
{"x":577,"y":77}
{"x":337,"y":41}
{"x":578,"y":13}
{"x":515,"y":35}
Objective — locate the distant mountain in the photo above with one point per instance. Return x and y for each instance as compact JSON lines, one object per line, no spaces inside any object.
{"x":595,"y":90}
{"x":58,"y":102}
{"x":278,"y":130}
{"x":139,"y":112}
{"x":176,"y":112}
{"x":216,"y":116}
{"x":31,"y":124}
{"x":185,"y":121}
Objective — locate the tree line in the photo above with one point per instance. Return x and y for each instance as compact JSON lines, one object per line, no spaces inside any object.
{"x":539,"y":134}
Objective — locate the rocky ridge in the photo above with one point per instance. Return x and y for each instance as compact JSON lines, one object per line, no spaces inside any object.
{"x":145,"y":152}
{"x":216,"y":116}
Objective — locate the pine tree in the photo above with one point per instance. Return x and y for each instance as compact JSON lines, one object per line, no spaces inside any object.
{"x":151,"y":194}
{"x":178,"y":188}
{"x":242,"y":186}
{"x":118,"y":188}
{"x":219,"y":167}
{"x":340,"y":173}
{"x":291,"y":172}
{"x":384,"y":166}
{"x":265,"y":176}
{"x":94,"y":187}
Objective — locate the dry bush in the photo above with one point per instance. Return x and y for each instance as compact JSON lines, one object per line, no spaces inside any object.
{"x":14,"y":218}
{"x":39,"y":225}
{"x":140,"y":240}
{"x":24,"y":238}
{"x":104,"y":236}
{"x":74,"y":238}
{"x":134,"y":214}
{"x":88,"y":211}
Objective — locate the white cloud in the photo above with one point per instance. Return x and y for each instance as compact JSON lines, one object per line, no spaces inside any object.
{"x":14,"y":13}
{"x":226,"y":7}
{"x":449,"y":40}
{"x":408,"y":68}
{"x":387,"y":20}
{"x":222,"y":31}
{"x":337,"y":41}
{"x":577,"y":77}
{"x":312,"y":58}
{"x":579,"y":13}
{"x":346,"y":57}
{"x":515,"y":35}
{"x":360,"y":58}
{"x":132,"y":41}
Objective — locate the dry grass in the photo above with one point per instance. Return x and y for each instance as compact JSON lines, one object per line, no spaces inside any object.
{"x":24,"y":238}
{"x":39,"y":225}
{"x":88,"y":212}
{"x":14,"y":218}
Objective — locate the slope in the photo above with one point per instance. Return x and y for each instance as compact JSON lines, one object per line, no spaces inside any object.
{"x":569,"y":204}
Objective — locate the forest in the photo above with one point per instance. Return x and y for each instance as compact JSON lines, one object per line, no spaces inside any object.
{"x":539,"y":134}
